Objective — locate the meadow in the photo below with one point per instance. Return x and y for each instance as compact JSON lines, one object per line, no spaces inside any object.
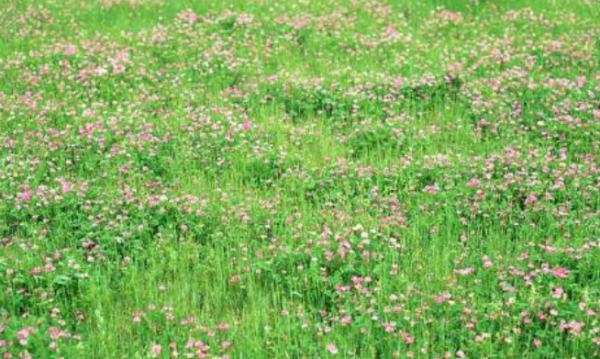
{"x":299,"y":179}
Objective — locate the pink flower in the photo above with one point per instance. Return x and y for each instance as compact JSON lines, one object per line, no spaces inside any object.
{"x":332,"y":348}
{"x":510,"y":152}
{"x":575,"y":327}
{"x":156,"y":350}
{"x":537,"y":343}
{"x":100,"y":71}
{"x":532,"y":198}
{"x":137,"y":317}
{"x":464,"y":271}
{"x":70,"y":50}
{"x":557,"y":292}
{"x":560,"y":273}
{"x":246,"y":125}
{"x":407,"y":338}
{"x":474,"y":182}
{"x":25,"y":196}
{"x":431,"y":189}
{"x":67,"y":187}
{"x":23,"y":334}
{"x":188,"y":15}
{"x":223,"y":326}
{"x":389,"y":327}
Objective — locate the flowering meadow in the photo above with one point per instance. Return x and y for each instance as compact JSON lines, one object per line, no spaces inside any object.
{"x":299,"y":179}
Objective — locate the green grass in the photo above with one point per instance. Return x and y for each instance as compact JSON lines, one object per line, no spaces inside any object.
{"x":299,"y":179}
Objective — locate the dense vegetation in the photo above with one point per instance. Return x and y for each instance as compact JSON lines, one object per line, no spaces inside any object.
{"x":299,"y":179}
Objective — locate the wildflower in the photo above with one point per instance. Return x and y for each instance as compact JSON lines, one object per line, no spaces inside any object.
{"x":67,"y":187}
{"x":246,"y":125}
{"x":465,"y":271}
{"x":25,"y":196}
{"x":332,"y":348}
{"x":432,"y":189}
{"x":156,"y":350}
{"x":474,"y":182}
{"x":70,"y":50}
{"x":23,"y":334}
{"x":560,"y":273}
{"x":557,"y":292}
{"x":100,"y":71}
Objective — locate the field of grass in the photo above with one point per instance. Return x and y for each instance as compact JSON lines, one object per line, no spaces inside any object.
{"x":299,"y":179}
